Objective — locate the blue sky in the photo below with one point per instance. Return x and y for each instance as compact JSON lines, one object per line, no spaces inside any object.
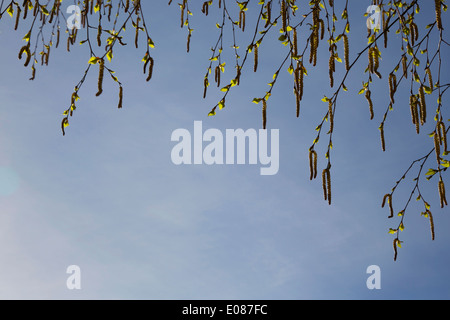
{"x":108,"y":198}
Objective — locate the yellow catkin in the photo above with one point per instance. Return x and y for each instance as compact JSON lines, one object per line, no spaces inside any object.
{"x":330,"y":115}
{"x":99,"y":35}
{"x":217,"y":76}
{"x":264,"y":113}
{"x":430,"y":216}
{"x":395,"y":249}
{"x":437,"y":5}
{"x":405,"y":67}
{"x":412,"y":105}
{"x":101,"y":68}
{"x":376,"y":61}
{"x":412,"y":33}
{"x":437,"y":147}
{"x":255,"y":54}
{"x":150,"y":69}
{"x":205,"y":8}
{"x":371,"y":61}
{"x":331,"y":69}
{"x":388,"y":197}
{"x":383,"y":143}
{"x":346,"y":52}
{"x":442,"y":193}
{"x":301,"y":76}
{"x":322,"y":29}
{"x":205,"y":87}
{"x":392,"y":86}
{"x":324,"y":184}
{"x":312,"y":164}
{"x":120,"y":97}
{"x":16,"y":25}
{"x":294,"y":43}
{"x":423,"y":105}
{"x":284,"y":15}
{"x":328,"y":186}
{"x":188,"y":42}
{"x":269,"y":13}
{"x":430,"y":77}
{"x":443,"y":135}
{"x":369,"y":100}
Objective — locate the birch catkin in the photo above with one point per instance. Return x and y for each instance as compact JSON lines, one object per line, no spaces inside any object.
{"x":443,"y":135}
{"x":369,"y":100}
{"x":437,"y":5}
{"x":255,"y":54}
{"x":405,"y":67}
{"x":264,"y":113}
{"x":442,"y":193}
{"x":423,"y":105}
{"x":312,"y":164}
{"x":430,"y":216}
{"x":388,"y":197}
{"x":120,"y":97}
{"x":430,"y":78}
{"x":346,"y":52}
{"x":437,"y":147}
{"x":101,"y":67}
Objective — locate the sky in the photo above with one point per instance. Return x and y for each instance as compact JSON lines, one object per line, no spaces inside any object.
{"x":107,"y":197}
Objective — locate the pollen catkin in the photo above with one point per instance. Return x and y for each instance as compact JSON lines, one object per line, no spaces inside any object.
{"x":136,"y":37}
{"x":294,"y":43}
{"x":331,"y":69}
{"x":324,"y":184}
{"x":205,"y":8}
{"x":188,"y":42}
{"x":101,"y":65}
{"x":25,"y":49}
{"x":127,"y":5}
{"x":283,"y":14}
{"x":346,"y":52}
{"x":392,"y":86}
{"x":120,"y":97}
{"x":329,"y":187}
{"x":376,"y":61}
{"x":388,"y":197}
{"x":322,"y":28}
{"x":404,"y":66}
{"x":369,"y":100}
{"x":443,"y":135}
{"x":57,"y":38}
{"x":264,"y":113}
{"x":300,"y":75}
{"x":312,"y":164}
{"x":330,"y":115}
{"x":395,"y":249}
{"x":437,"y":4}
{"x":255,"y":53}
{"x":423,"y":105}
{"x":269,"y":13}
{"x":371,"y":61}
{"x":205,"y":87}
{"x":217,"y":76}
{"x":150,"y":68}
{"x":430,"y":78}
{"x":242,"y":20}
{"x":383,"y":143}
{"x":442,"y":193}
{"x":430,"y":216}
{"x":16,"y":25}
{"x":437,"y":147}
{"x":99,"y":35}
